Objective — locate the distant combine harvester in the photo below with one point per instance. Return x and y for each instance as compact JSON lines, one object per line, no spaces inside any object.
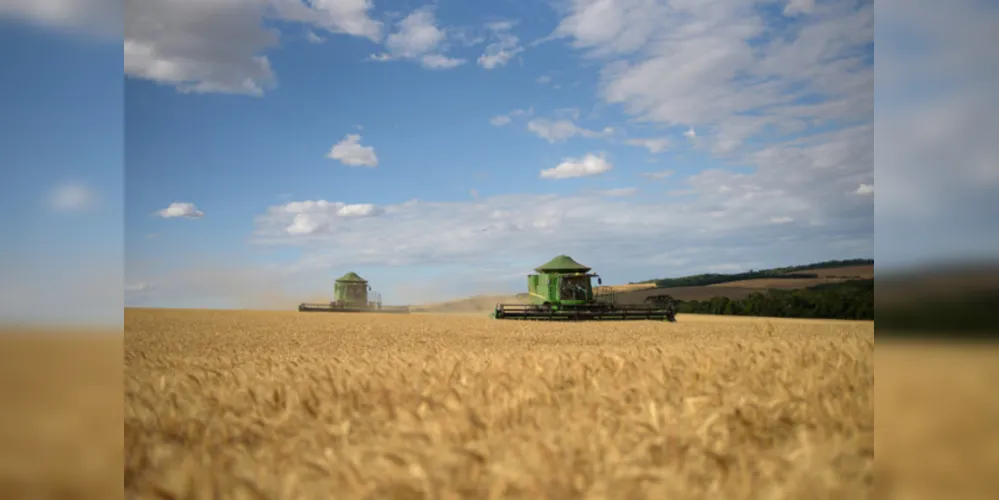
{"x":351,"y":293}
{"x":562,"y":291}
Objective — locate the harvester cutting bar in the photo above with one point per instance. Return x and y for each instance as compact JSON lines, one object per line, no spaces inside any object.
{"x":332,"y":308}
{"x":585,"y":313}
{"x":341,"y":308}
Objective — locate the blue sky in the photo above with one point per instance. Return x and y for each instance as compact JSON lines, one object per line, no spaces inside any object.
{"x":62,"y":158}
{"x":445,"y":148}
{"x":463,"y":107}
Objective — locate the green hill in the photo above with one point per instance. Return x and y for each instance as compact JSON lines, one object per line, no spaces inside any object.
{"x":792,"y":272}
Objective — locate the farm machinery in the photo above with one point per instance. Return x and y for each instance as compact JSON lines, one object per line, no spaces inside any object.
{"x":562,"y":291}
{"x":351,"y":293}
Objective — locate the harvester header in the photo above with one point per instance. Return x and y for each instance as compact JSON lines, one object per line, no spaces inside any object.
{"x":562,"y":291}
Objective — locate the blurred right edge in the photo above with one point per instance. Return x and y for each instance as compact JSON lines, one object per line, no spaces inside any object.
{"x":943,"y":301}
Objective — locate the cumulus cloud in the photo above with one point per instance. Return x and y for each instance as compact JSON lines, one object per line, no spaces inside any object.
{"x":220,"y":45}
{"x":72,"y":197}
{"x":587,"y":166}
{"x":350,"y":152}
{"x":865,"y":189}
{"x":181,"y":209}
{"x":418,"y":38}
{"x":504,"y":48}
{"x":560,"y":130}
{"x":310,"y":217}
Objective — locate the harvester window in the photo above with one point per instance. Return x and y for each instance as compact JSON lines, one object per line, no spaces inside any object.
{"x":575,"y":288}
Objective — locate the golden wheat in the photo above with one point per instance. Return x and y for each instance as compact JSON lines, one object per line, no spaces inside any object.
{"x":288,"y":405}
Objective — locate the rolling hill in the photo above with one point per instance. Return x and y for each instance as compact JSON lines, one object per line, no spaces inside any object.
{"x":732,"y":286}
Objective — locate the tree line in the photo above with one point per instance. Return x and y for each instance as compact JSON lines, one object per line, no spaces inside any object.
{"x":792,"y":272}
{"x":847,"y":300}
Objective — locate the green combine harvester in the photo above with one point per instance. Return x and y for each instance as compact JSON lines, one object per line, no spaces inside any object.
{"x":351,"y":293}
{"x":562,"y":291}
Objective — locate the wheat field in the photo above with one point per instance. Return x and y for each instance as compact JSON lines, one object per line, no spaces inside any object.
{"x":242,"y":404}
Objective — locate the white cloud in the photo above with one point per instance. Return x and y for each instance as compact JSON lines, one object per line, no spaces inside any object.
{"x":219,"y":45}
{"x":181,"y":209}
{"x":72,"y":197}
{"x":587,"y":166}
{"x":704,"y":64}
{"x":91,"y":17}
{"x":611,"y":26}
{"x":418,"y":38}
{"x":762,"y":90}
{"x":865,"y":189}
{"x":349,"y":17}
{"x":523,"y":230}
{"x":499,"y":120}
{"x":795,"y":7}
{"x":312,"y":217}
{"x":350,"y":152}
{"x":312,"y":37}
{"x":380,"y":57}
{"x":438,"y":61}
{"x":781,"y":220}
{"x":544,"y":79}
{"x":653,"y":145}
{"x":416,"y":35}
{"x":504,"y":48}
{"x":559,"y":130}
{"x":620,"y":192}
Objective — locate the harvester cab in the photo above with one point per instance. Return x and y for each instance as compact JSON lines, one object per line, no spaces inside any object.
{"x":562,"y":291}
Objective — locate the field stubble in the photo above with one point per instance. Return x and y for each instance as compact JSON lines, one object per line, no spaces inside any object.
{"x":286,"y":405}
